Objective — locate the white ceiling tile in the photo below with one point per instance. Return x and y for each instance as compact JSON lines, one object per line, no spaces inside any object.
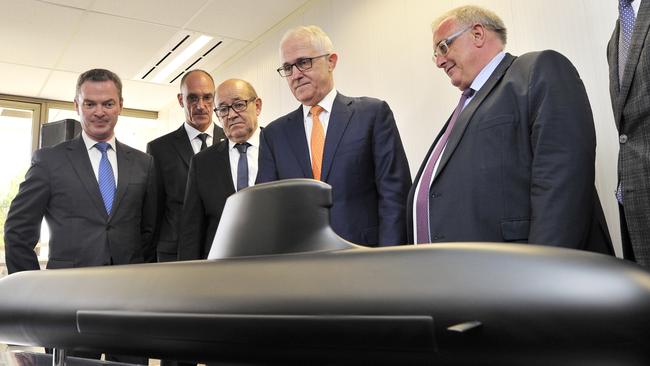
{"x":244,"y":20}
{"x":21,"y":80}
{"x":29,"y":34}
{"x":168,"y":12}
{"x":60,"y":85}
{"x":80,"y":4}
{"x":118,"y":44}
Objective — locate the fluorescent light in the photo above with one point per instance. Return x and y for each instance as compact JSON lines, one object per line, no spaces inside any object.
{"x":181,"y":58}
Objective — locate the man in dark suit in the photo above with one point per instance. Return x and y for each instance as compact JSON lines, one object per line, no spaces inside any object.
{"x":350,"y":143}
{"x":173,"y":151}
{"x":517,"y":164}
{"x":628,"y":55}
{"x":96,"y":194}
{"x":222,"y":169}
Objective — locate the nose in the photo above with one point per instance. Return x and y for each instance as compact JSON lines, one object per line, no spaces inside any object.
{"x":99,"y":110}
{"x":439,"y":60}
{"x":295,"y":72}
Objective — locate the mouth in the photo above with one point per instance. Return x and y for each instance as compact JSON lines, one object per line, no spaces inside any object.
{"x":300,"y":86}
{"x":448,"y":70}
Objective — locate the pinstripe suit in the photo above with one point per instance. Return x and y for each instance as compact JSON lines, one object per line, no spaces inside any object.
{"x":631,"y":105}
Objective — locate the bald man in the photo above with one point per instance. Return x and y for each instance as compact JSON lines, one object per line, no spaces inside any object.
{"x":222,"y":169}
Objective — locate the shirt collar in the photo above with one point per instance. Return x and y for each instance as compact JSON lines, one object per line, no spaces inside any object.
{"x":193,"y":132}
{"x":487,"y":70}
{"x":326,"y":103}
{"x":90,"y":142}
{"x":254,"y":140}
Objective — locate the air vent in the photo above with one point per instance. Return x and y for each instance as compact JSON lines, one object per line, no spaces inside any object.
{"x":184,"y":52}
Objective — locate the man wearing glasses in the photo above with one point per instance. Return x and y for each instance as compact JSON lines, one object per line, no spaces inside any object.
{"x":173,"y":151}
{"x":221,"y":170}
{"x":515,"y":161}
{"x":350,"y":143}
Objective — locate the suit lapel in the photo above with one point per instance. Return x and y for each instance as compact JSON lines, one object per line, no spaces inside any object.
{"x":124,"y":168}
{"x":466,"y":114}
{"x":295,"y":130}
{"x":638,"y":38}
{"x":223,"y":165}
{"x":182,"y":145}
{"x":78,"y":156}
{"x":340,"y":116}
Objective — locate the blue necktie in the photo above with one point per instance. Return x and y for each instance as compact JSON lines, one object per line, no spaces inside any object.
{"x":626,"y":26}
{"x":105,"y":178}
{"x":242,"y":166}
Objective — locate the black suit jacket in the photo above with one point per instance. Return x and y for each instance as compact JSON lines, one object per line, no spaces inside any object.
{"x":519,"y":164}
{"x":61,"y":186}
{"x":209,"y":184}
{"x":172,"y":154}
{"x":363,"y":161}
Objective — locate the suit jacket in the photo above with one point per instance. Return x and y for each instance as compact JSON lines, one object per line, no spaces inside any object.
{"x":209,"y":184}
{"x":363,"y":161}
{"x":519,"y":164}
{"x":61,"y":186}
{"x":172,"y":153}
{"x":631,"y":105}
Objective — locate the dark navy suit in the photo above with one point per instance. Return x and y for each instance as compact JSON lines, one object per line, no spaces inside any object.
{"x":363,"y":161}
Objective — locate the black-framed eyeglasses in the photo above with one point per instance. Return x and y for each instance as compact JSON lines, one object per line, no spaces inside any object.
{"x":238,"y":106}
{"x":442,"y":48}
{"x":301,"y":64}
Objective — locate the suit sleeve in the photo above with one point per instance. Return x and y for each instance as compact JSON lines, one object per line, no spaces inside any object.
{"x":149,"y":215}
{"x":266,"y":171}
{"x":563,"y":141}
{"x":191,"y":236}
{"x":392,"y":178}
{"x":23,"y":224}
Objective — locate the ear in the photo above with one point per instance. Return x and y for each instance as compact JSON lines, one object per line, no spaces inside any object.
{"x":479,"y":33}
{"x":180,"y":99}
{"x":331,"y":60}
{"x":76,"y":106}
{"x":258,"y":106}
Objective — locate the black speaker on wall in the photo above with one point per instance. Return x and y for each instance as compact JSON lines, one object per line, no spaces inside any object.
{"x":56,"y":132}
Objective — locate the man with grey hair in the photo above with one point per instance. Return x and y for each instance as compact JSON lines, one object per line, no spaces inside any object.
{"x":351,"y":143}
{"x":97,"y":194}
{"x":515,"y":161}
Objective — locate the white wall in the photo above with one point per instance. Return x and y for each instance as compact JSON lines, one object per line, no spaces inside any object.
{"x":385,"y":50}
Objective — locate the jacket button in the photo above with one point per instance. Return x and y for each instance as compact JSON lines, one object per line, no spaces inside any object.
{"x":622,"y":138}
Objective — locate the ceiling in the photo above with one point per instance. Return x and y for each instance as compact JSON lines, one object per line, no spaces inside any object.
{"x":46,"y":44}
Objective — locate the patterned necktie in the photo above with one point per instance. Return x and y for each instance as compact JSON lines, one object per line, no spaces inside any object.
{"x":422,"y":197}
{"x":105,"y":178}
{"x":626,"y":27}
{"x":204,"y":140}
{"x":317,"y":141}
{"x":242,"y":166}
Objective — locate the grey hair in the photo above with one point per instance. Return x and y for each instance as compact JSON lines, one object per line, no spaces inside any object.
{"x":317,"y":37}
{"x":469,"y":15}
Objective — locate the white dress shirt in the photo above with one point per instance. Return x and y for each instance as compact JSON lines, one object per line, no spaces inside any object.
{"x":251,"y":155}
{"x":193,"y":135}
{"x":95,"y":155}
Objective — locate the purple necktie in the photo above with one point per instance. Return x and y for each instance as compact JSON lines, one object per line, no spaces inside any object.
{"x":422,"y":198}
{"x":626,"y":27}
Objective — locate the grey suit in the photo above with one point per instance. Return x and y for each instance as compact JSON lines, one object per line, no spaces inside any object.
{"x":631,"y":105}
{"x":61,"y":186}
{"x":519,"y":164}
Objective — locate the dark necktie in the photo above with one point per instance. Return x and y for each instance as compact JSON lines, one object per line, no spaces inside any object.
{"x":204,"y":140}
{"x":242,"y":166}
{"x":626,"y":27}
{"x":422,"y":197}
{"x":105,"y":178}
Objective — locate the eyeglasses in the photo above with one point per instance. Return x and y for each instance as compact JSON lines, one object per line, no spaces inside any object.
{"x":442,"y":48}
{"x":238,"y":106}
{"x":301,"y":64}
